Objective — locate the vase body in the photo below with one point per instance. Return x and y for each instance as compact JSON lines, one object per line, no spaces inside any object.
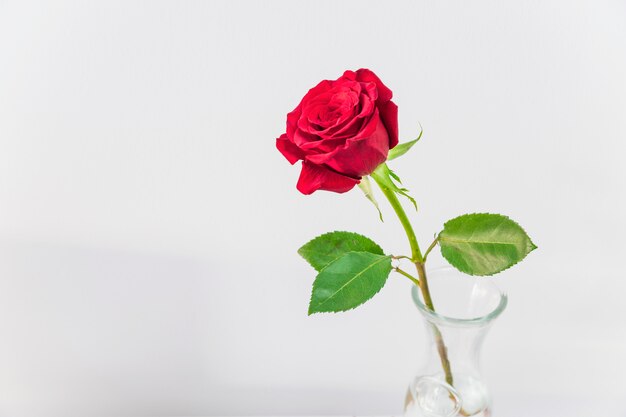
{"x":466,"y":307}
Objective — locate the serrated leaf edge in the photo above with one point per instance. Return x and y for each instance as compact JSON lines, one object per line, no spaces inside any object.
{"x":383,"y":257}
{"x":532,"y":245}
{"x":338,"y":231}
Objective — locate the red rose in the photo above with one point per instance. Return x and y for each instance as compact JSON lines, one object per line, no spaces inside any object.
{"x":341,"y":130}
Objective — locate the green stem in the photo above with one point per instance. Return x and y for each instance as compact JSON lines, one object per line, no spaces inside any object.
{"x":409,"y":276}
{"x":432,"y":245}
{"x":441,"y":346}
{"x":381,"y":176}
{"x":416,"y":254}
{"x":401,"y":257}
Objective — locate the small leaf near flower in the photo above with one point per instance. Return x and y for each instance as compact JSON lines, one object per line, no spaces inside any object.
{"x":349,"y":281}
{"x":395,"y":177}
{"x":483,"y":243}
{"x":366,"y":186}
{"x":403,"y":148}
{"x":387,"y":177}
{"x":401,"y":190}
{"x":324,"y":249}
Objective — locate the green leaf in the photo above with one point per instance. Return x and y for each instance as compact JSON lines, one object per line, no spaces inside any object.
{"x":483,"y":243}
{"x":403,"y":148}
{"x":324,"y":249}
{"x":349,"y":281}
{"x":366,"y":186}
{"x":401,"y":190}
{"x":388,"y":178}
{"x":395,"y":176}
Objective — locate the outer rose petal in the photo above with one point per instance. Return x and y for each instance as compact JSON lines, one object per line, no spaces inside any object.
{"x":292,"y":121}
{"x":294,"y":116}
{"x":289,"y":149}
{"x":389,"y":115}
{"x":362,"y":157}
{"x":315,"y":177}
{"x":365,"y":75}
{"x":320,"y":88}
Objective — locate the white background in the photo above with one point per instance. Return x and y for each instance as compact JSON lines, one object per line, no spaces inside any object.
{"x":148,"y":226}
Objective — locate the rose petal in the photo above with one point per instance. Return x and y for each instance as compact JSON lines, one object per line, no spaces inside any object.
{"x":361,"y":155}
{"x":389,"y":116}
{"x":367,"y":100}
{"x":349,"y":129}
{"x":292,"y":121}
{"x":302,"y":138}
{"x":323,"y":146}
{"x":356,"y":128}
{"x":320,"y":88}
{"x":314,"y":177}
{"x":330,"y":108}
{"x":365,"y":75}
{"x":289,"y":149}
{"x":296,"y":114}
{"x":348,"y":75}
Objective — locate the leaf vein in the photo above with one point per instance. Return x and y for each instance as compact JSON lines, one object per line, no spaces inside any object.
{"x":353,"y":278}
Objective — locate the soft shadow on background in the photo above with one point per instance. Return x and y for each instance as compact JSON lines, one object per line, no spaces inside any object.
{"x":148,"y":226}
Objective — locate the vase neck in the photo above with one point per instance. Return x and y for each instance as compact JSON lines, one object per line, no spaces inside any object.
{"x":450,"y":384}
{"x":463,"y":346}
{"x":461,"y":301}
{"x":465,"y":307}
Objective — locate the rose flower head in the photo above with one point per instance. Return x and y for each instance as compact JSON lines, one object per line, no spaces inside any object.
{"x":341,"y":130}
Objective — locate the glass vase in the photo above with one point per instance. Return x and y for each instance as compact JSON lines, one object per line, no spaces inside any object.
{"x":465,"y":308}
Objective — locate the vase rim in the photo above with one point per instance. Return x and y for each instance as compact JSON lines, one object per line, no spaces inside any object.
{"x":444,"y":319}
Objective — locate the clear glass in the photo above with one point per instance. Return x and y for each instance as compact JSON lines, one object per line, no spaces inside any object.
{"x":465,"y":307}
